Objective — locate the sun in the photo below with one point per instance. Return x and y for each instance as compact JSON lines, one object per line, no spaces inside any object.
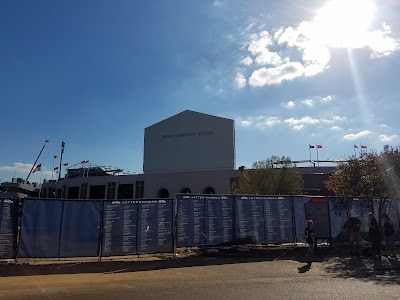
{"x":344,"y":23}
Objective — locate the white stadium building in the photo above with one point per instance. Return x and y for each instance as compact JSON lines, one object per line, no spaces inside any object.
{"x":189,"y":152}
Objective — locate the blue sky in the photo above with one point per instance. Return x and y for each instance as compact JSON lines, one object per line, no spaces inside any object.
{"x":290,"y":73}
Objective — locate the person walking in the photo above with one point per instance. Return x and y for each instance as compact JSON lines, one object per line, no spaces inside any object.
{"x":353,"y":226}
{"x":310,"y":239}
{"x":389,"y":232}
{"x":374,"y":236}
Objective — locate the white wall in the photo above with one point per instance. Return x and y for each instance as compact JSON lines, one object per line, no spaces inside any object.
{"x":190,"y":141}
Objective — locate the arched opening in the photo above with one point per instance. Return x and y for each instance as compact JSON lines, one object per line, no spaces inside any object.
{"x":185,"y":190}
{"x":208,"y":190}
{"x":162,"y":193}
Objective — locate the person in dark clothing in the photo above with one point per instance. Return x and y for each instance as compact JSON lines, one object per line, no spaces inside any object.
{"x":353,"y":226}
{"x":389,"y":231}
{"x":310,"y":239}
{"x":374,"y":236}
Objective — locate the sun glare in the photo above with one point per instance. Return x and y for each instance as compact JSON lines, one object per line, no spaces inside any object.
{"x":344,"y":23}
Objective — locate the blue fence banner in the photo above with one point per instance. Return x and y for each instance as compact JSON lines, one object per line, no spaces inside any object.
{"x":8,"y":228}
{"x":120,"y":219}
{"x":190,"y":221}
{"x":391,"y":209}
{"x":155,"y":226}
{"x":360,"y":209}
{"x":299,"y":216}
{"x":338,"y":216}
{"x":40,"y":228}
{"x":278,"y":219}
{"x":250,"y":224}
{"x":219,"y":219}
{"x":80,"y":229}
{"x":317,"y":210}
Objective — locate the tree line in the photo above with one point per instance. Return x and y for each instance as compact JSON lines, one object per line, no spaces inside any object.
{"x":372,"y":176}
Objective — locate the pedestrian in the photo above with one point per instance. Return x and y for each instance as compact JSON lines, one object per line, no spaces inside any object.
{"x":310,"y":239}
{"x":389,"y":231}
{"x":374,"y":236}
{"x":353,"y":226}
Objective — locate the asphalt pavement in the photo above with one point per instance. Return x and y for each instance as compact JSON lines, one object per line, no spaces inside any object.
{"x":245,"y":276}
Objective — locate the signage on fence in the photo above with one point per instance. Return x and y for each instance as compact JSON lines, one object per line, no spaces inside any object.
{"x":8,"y":228}
{"x":80,"y":228}
{"x":133,"y":226}
{"x":318,"y":211}
{"x":219,"y":219}
{"x":190,"y":221}
{"x":278,"y":218}
{"x":338,"y":216}
{"x":40,"y":228}
{"x":120,"y":228}
{"x":155,"y":226}
{"x":250,"y":219}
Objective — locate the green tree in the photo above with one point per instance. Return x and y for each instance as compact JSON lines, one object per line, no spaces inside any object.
{"x":272,"y":176}
{"x":372,"y":177}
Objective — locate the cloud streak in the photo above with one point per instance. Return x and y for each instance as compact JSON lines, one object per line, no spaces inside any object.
{"x":356,"y":136}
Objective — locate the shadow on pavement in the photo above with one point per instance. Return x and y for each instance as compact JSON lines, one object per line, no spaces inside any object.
{"x":384,"y":271}
{"x":334,"y":261}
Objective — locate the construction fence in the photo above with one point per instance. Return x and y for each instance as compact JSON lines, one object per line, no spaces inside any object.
{"x":59,"y":228}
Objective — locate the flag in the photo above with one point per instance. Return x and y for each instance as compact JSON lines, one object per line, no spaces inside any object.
{"x":65,"y":164}
{"x":355,"y":146}
{"x":311,"y":146}
{"x":319,"y":146}
{"x":87,"y":161}
{"x":38,"y":168}
{"x":62,"y":147}
{"x":56,"y":168}
{"x":84,"y":161}
{"x":363,"y":147}
{"x":55,"y":156}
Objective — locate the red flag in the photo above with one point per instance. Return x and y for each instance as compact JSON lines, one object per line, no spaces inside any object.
{"x":38,"y":168}
{"x":363,"y":147}
{"x":56,"y":168}
{"x":65,"y":164}
{"x":319,"y":146}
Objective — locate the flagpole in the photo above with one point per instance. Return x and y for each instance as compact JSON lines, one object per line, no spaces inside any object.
{"x":62,"y":151}
{"x":309,"y":150}
{"x":355,"y":155}
{"x":54,"y":156}
{"x":45,"y":142}
{"x":317,"y":154}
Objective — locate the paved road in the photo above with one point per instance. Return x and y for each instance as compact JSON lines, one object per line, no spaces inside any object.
{"x":215,"y":280}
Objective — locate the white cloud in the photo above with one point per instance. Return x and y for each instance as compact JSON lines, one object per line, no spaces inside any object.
{"x":272,"y":121}
{"x":336,"y":128}
{"x":352,"y":137}
{"x":260,"y":122}
{"x":326,"y":99}
{"x":298,"y":127}
{"x":298,"y":124}
{"x":217,"y":3}
{"x":19,"y":167}
{"x":309,"y":43}
{"x":334,"y":119}
{"x":387,"y":138}
{"x":259,"y":42}
{"x":267,"y":76}
{"x":308,"y":102}
{"x":245,"y":123}
{"x":240,"y":80}
{"x":247,"y":61}
{"x":268,"y":58}
{"x":383,"y":125}
{"x":289,"y":105}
